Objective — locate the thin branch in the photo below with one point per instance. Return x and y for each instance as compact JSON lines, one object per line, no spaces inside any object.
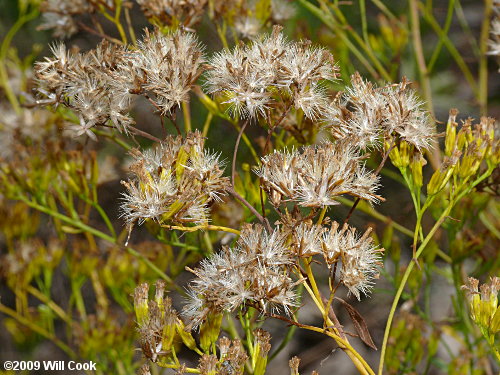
{"x":144,"y":134}
{"x":259,"y":217}
{"x":99,"y":34}
{"x":233,"y":167}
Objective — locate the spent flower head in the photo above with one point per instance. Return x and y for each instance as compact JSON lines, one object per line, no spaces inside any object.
{"x":100,"y":85}
{"x":251,"y":78}
{"x":359,"y":257}
{"x":175,"y":182}
{"x":254,"y":272}
{"x":370,"y":114}
{"x":318,"y":175}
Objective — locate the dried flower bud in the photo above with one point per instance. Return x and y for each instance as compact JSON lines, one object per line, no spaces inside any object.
{"x":208,"y":364}
{"x":144,"y":370}
{"x":210,"y":330}
{"x":141,"y":299}
{"x":451,"y":133}
{"x":158,"y":323}
{"x":262,"y":346}
{"x":441,"y":176}
{"x":483,"y":304}
{"x":294,"y":365}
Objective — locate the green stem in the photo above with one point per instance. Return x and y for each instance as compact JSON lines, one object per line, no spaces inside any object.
{"x":483,"y":58}
{"x":187,"y":116}
{"x":35,"y":328}
{"x":364,"y":26}
{"x":95,"y":232}
{"x":206,"y":125}
{"x":452,"y":50}
{"x":447,"y":24}
{"x":114,"y":138}
{"x":403,"y":284}
{"x":446,"y":212}
{"x":51,"y":304}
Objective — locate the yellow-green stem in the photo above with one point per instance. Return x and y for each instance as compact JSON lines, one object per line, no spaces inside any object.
{"x":35,"y":328}
{"x":483,"y":58}
{"x":186,"y":112}
{"x":203,"y":227}
{"x":355,"y":357}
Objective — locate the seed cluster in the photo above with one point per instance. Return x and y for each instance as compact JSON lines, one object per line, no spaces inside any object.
{"x":317,"y":175}
{"x":100,"y":85}
{"x":250,"y":79}
{"x":175,"y":182}
{"x":254,"y":272}
{"x":368,"y":115}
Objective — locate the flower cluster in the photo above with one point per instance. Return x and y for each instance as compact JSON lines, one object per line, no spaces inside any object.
{"x":158,"y":323}
{"x":317,"y":175}
{"x":99,"y":85}
{"x":367,"y":114}
{"x":59,"y":15}
{"x":360,"y":258}
{"x":355,"y":256}
{"x":173,"y":12}
{"x":252,"y":273}
{"x":251,"y":78}
{"x":175,"y":182}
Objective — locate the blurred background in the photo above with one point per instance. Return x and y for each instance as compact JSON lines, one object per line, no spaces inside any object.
{"x":64,"y":299}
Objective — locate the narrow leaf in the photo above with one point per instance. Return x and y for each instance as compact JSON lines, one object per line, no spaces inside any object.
{"x":359,"y":324}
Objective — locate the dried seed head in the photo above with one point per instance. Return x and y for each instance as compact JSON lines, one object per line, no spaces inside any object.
{"x":99,"y":85}
{"x":306,"y":240}
{"x":405,"y":115}
{"x":282,"y":10}
{"x":59,"y":15}
{"x":252,"y":273}
{"x":174,"y":12}
{"x":248,"y":27}
{"x":174,"y":182}
{"x":366,"y":114}
{"x":251,"y":78}
{"x":494,"y":41}
{"x":171,"y":63}
{"x":318,"y":175}
{"x":94,"y":84}
{"x":360,"y":258}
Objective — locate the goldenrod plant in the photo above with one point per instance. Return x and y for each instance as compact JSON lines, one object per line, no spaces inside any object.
{"x":225,"y":187}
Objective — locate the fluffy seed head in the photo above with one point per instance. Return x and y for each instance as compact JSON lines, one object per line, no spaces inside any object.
{"x":254,"y":272}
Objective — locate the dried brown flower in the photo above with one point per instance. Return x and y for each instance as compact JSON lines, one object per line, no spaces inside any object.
{"x":317,"y":175}
{"x":175,"y":182}
{"x":254,"y":272}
